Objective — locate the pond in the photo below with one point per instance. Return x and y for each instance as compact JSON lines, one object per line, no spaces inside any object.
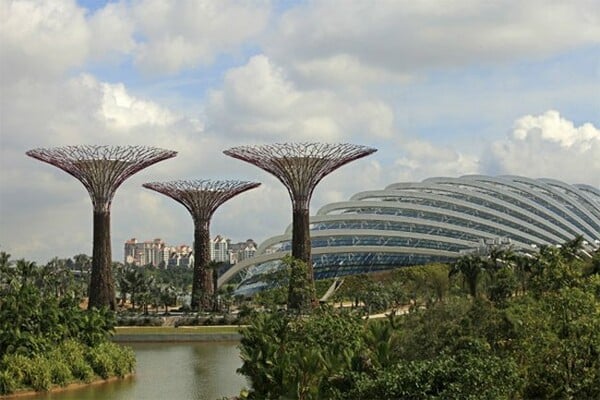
{"x":194,"y":371}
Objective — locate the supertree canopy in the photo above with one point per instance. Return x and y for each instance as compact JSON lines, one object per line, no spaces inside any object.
{"x":201,"y":198}
{"x":101,"y":169}
{"x":300,"y":167}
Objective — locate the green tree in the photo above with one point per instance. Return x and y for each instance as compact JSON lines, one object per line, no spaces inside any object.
{"x":470,"y":267}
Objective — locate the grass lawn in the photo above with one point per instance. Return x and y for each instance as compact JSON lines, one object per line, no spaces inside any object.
{"x":170,"y":330}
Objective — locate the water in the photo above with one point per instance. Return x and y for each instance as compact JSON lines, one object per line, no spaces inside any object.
{"x":170,"y":371}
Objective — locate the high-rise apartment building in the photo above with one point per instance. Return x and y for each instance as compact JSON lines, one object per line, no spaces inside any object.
{"x":219,"y":249}
{"x":180,"y":256}
{"x":241,"y":251}
{"x":144,"y":253}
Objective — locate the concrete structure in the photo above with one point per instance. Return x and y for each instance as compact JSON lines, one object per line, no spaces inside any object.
{"x":435,"y":220}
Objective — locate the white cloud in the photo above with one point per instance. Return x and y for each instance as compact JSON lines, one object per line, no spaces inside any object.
{"x":180,"y":35}
{"x":41,"y":38}
{"x":344,"y":70}
{"x":122,"y":111}
{"x":46,"y":39}
{"x":259,"y":102}
{"x":423,"y":159}
{"x":112,"y":32}
{"x":548,"y":145}
{"x":401,"y":37}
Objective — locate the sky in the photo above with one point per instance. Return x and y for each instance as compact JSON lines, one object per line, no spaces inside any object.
{"x":440,"y":88}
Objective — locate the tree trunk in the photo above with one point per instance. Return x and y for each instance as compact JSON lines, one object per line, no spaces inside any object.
{"x":301,"y":250}
{"x":102,"y":287}
{"x":202,"y":278}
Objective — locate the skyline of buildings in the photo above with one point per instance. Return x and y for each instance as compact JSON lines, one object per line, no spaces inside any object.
{"x":158,"y":253}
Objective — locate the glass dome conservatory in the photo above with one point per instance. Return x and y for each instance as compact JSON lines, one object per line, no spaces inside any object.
{"x":435,"y":220}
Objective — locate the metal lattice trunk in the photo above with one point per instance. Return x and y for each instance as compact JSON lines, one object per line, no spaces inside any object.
{"x":201,"y":198}
{"x":101,"y":169}
{"x":300,"y":167}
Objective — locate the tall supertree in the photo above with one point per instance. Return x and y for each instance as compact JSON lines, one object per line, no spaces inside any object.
{"x":201,"y":198}
{"x":300,"y":167}
{"x":101,"y":169}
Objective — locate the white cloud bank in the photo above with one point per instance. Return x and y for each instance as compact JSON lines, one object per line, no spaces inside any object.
{"x":258,"y":102}
{"x":549,"y":145}
{"x":180,"y":35}
{"x":41,"y":38}
{"x":404,"y":37}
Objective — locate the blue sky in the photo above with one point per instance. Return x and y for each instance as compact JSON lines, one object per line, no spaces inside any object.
{"x":440,"y":88}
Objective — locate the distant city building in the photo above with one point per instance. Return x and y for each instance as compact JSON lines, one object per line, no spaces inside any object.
{"x":180,"y":256}
{"x":144,"y":253}
{"x":219,"y":247}
{"x":158,"y":254}
{"x":241,"y":251}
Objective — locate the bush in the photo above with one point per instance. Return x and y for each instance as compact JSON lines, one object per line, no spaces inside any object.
{"x":48,"y":339}
{"x":139,"y":321}
{"x":109,"y":359}
{"x":38,"y":373}
{"x":8,"y":383}
{"x":60,"y":372}
{"x":123,"y":358}
{"x":101,"y":362}
{"x":73,"y":354}
{"x":186,"y":321}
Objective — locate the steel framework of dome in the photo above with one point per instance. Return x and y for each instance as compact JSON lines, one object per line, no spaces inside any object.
{"x":435,"y":220}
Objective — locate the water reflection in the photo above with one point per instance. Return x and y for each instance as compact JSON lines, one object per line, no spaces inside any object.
{"x":198,"y":371}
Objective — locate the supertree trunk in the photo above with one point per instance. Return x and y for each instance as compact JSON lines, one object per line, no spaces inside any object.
{"x":301,"y":250}
{"x":201,"y":198}
{"x":202,"y":288}
{"x":102,"y":286}
{"x":300,"y":167}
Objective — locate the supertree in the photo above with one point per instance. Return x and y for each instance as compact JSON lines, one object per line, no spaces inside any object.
{"x":101,"y":169}
{"x":201,"y":198}
{"x":300,"y":167}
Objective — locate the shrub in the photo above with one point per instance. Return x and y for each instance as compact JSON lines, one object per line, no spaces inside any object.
{"x":101,"y":361}
{"x":60,"y":372}
{"x":8,"y":383}
{"x":38,"y":373}
{"x":123,"y":358}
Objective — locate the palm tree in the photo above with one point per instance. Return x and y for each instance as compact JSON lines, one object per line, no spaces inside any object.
{"x":524,"y":265}
{"x":131,"y":282}
{"x":26,"y":270}
{"x":4,"y":259}
{"x":571,"y":250}
{"x":83,"y":262}
{"x":470,"y":267}
{"x":167,"y":296}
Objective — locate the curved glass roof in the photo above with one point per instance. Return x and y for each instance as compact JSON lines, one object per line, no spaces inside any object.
{"x":435,"y":220}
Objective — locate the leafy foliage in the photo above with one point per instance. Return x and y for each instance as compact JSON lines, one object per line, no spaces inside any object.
{"x":529,"y":329}
{"x":45,"y":337}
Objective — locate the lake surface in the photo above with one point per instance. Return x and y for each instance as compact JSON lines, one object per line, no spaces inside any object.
{"x":170,"y":371}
